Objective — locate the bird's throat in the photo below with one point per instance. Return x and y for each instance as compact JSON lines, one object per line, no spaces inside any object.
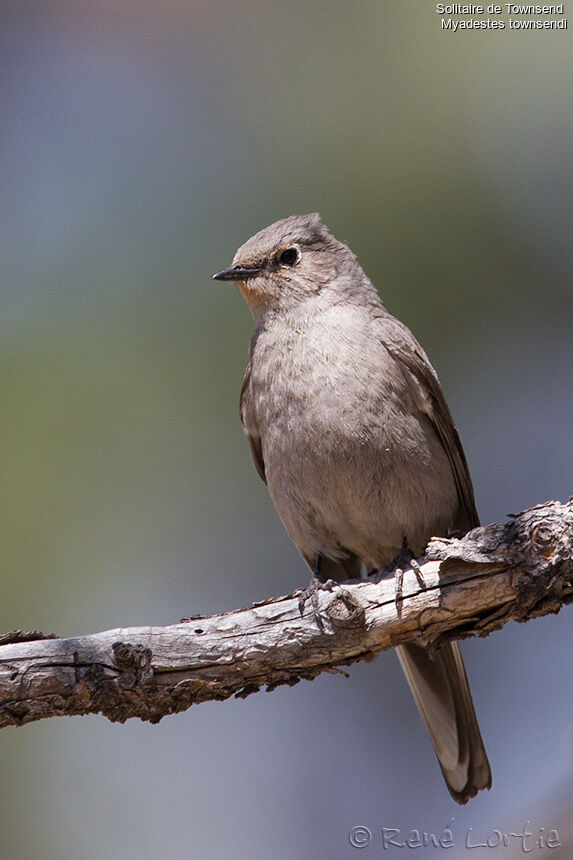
{"x":251,"y":296}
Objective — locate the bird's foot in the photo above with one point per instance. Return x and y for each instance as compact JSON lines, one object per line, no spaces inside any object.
{"x":404,"y":560}
{"x":310,"y":593}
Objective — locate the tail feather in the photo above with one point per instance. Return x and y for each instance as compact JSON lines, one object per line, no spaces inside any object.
{"x":440,"y":688}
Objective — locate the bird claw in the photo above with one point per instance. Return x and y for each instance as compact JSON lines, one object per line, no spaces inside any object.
{"x":310,"y":593}
{"x":418,"y":572}
{"x":399,"y":585}
{"x":404,"y":560}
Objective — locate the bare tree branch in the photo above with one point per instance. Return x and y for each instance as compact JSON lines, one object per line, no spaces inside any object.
{"x":472,"y":586}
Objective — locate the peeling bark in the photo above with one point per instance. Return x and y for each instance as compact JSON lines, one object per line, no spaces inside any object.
{"x":472,"y":585}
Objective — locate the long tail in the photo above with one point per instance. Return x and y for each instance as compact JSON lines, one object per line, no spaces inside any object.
{"x":440,"y":688}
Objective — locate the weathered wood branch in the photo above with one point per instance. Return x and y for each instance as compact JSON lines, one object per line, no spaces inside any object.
{"x":472,"y":586}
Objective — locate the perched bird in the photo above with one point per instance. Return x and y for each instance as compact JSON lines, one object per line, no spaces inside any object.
{"x":349,"y":429}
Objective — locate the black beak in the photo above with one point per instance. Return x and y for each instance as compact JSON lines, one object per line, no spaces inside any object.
{"x":236,"y":273}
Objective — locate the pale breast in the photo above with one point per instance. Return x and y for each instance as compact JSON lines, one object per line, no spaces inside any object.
{"x":349,"y":459}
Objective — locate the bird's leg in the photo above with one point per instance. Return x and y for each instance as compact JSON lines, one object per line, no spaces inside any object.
{"x":311,"y":592}
{"x":404,"y":560}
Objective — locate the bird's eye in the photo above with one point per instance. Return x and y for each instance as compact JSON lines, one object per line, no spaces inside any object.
{"x":288,"y":257}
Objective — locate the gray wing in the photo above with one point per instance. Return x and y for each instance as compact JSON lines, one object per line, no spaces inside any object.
{"x":254,"y":440}
{"x":403,"y":346}
{"x":439,"y":682}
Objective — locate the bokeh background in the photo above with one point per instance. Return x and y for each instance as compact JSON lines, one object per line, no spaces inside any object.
{"x":141,"y":143}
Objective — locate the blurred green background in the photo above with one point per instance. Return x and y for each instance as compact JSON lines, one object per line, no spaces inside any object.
{"x":141,"y":144}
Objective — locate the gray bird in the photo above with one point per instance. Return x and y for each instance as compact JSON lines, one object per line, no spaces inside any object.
{"x":349,"y":429}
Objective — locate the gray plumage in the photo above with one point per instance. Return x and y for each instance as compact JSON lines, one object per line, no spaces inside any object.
{"x":350,"y":430}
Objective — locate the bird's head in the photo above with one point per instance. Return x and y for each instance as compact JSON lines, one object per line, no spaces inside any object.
{"x":288,"y":262}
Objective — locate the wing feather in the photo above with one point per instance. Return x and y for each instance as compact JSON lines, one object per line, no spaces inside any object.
{"x":403,"y":346}
{"x":254,"y":439}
